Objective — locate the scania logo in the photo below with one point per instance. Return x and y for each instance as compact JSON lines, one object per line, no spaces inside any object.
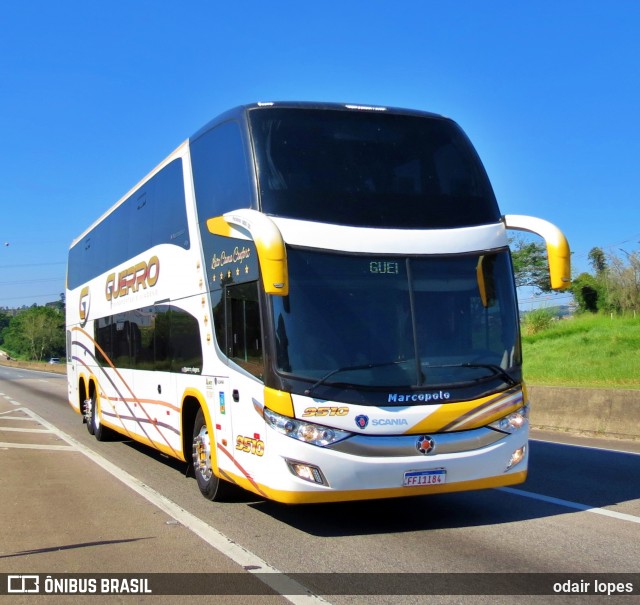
{"x":362,"y":421}
{"x":425,"y":444}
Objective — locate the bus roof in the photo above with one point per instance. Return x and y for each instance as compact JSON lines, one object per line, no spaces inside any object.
{"x":241,"y":110}
{"x":237,"y":113}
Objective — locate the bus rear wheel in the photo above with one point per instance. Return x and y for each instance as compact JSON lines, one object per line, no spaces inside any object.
{"x":88,"y":405}
{"x":94,"y":426}
{"x":211,"y":487}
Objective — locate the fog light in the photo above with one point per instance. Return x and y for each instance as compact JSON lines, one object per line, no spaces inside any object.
{"x":516,"y":457}
{"x":308,"y":472}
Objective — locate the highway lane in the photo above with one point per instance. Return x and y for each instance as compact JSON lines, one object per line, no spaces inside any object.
{"x":542,"y":526}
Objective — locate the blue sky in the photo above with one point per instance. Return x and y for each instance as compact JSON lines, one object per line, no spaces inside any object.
{"x":94,"y":95}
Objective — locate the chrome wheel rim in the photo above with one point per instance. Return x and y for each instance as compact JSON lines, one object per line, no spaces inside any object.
{"x":202,"y":454}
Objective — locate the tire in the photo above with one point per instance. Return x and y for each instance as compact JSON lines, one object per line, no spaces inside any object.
{"x":87,"y":412}
{"x":211,"y":487}
{"x":94,"y":426}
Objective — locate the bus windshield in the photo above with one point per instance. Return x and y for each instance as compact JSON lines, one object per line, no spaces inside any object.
{"x":380,"y":322}
{"x":369,"y":169}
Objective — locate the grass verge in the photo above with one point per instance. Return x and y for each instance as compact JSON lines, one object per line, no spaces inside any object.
{"x":585,"y":351}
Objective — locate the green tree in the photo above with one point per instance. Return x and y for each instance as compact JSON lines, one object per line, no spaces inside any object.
{"x":623,"y":282}
{"x":36,"y":333}
{"x":598,"y":260}
{"x":530,"y":263}
{"x":615,"y":285}
{"x":588,"y":293}
{"x":4,"y":323}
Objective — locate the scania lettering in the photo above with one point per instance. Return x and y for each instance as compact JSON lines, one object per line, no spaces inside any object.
{"x":312,"y":302}
{"x":389,"y":422}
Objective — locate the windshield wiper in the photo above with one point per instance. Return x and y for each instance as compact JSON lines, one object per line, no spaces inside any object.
{"x":366,"y":366}
{"x":495,"y":368}
{"x":498,"y":371}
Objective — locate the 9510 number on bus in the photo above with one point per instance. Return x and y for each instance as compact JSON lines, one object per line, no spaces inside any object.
{"x":432,"y":477}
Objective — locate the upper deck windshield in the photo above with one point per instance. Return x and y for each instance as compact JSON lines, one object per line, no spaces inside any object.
{"x":369,"y":168}
{"x":372,"y":323}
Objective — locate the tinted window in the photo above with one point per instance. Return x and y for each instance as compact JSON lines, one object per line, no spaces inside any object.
{"x":374,"y":169}
{"x":161,"y":338}
{"x":220,"y":171}
{"x":186,"y":350}
{"x":389,"y":322}
{"x":236,"y":314}
{"x":244,"y":340}
{"x":155,"y":214}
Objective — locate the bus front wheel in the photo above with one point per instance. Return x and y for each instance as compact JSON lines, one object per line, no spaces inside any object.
{"x":211,"y":487}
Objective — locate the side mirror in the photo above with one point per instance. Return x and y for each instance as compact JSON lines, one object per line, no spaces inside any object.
{"x":272,"y":255}
{"x":558,"y":251}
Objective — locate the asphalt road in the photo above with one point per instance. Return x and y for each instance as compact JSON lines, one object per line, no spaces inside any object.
{"x":70,"y":504}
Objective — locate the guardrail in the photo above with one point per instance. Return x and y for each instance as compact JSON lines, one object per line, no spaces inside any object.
{"x":55,"y":368}
{"x":598,"y":412}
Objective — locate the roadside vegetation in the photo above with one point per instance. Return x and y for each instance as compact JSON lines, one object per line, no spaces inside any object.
{"x":588,"y":350}
{"x":33,"y":334}
{"x":600,"y":345}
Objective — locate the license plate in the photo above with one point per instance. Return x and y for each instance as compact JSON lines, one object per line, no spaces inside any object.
{"x":432,"y":477}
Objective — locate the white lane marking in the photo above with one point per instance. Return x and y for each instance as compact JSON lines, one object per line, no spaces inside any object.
{"x":28,"y":446}
{"x":574,"y":505}
{"x":19,"y":430}
{"x":36,"y":446}
{"x":240,"y":555}
{"x":589,"y":447}
{"x":16,"y":417}
{"x":9,"y":399}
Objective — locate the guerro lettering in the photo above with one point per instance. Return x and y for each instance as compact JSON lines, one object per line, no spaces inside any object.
{"x":141,"y":275}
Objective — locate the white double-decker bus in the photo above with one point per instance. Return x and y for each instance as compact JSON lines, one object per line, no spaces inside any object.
{"x":314,"y":302}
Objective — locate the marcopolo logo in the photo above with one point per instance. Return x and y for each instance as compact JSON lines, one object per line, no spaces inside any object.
{"x":142,"y":275}
{"x":425,"y":444}
{"x":418,"y":397}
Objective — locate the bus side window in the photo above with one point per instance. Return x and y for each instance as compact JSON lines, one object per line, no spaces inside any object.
{"x":103,"y":339}
{"x":243,"y":327}
{"x":221,"y":174}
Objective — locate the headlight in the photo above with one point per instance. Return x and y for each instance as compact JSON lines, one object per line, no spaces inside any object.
{"x":512,"y":422}
{"x":304,"y":431}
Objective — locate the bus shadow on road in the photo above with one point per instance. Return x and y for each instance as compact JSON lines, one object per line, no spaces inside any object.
{"x":595,"y":478}
{"x":581,"y":475}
